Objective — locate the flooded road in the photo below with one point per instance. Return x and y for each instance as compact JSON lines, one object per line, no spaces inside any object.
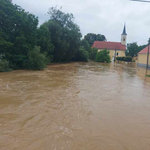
{"x":76,"y":106}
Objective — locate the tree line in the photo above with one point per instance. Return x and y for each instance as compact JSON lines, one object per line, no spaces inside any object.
{"x":24,"y":45}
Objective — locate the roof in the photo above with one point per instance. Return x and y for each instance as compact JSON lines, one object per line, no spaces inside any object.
{"x":124,"y":30}
{"x":145,"y":50}
{"x":109,"y":45}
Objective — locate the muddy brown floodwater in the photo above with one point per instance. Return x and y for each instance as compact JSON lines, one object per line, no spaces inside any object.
{"x":76,"y":106}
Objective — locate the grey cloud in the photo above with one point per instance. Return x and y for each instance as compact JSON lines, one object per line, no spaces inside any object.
{"x":100,"y":16}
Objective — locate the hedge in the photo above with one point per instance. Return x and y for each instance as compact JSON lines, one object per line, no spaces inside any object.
{"x":126,"y":59}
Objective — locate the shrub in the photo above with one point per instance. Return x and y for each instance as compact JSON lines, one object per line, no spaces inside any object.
{"x":36,"y":60}
{"x":103,"y":56}
{"x":4,"y":65}
{"x":126,"y":59}
{"x":93,"y":52}
{"x":81,"y":55}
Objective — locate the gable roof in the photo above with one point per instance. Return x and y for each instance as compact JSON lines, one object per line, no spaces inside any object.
{"x":109,"y":45}
{"x":145,"y":50}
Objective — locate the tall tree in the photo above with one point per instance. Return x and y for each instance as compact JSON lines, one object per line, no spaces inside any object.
{"x":17,"y":31}
{"x":65,"y":34}
{"x":91,"y":37}
{"x":44,"y":41}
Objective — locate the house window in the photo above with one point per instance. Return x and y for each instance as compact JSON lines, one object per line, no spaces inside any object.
{"x":117,"y":53}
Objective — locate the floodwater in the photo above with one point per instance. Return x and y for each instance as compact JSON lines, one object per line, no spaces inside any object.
{"x":75,"y":106}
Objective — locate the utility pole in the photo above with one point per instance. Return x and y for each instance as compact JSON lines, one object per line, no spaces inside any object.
{"x":115,"y":55}
{"x":148,"y":54}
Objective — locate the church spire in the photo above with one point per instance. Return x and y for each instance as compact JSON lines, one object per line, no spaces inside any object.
{"x":124,"y":30}
{"x":124,"y":36}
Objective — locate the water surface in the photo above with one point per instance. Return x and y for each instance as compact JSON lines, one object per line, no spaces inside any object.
{"x":76,"y":106}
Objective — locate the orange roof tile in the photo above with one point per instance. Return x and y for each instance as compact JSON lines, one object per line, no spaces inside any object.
{"x":145,"y":50}
{"x":109,"y":45}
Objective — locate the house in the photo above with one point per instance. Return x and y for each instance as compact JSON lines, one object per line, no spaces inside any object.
{"x":116,"y":49}
{"x":142,"y":57}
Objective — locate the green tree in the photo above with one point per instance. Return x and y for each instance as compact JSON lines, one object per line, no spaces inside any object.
{"x":132,"y":49}
{"x":103,"y":56}
{"x":44,"y":41}
{"x":91,"y":37}
{"x":17,"y":32}
{"x":65,"y":35}
{"x":59,"y":38}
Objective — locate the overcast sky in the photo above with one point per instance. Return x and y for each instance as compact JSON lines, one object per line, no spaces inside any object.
{"x":105,"y":17}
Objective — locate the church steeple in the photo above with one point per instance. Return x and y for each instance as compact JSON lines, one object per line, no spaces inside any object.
{"x":124,"y":36}
{"x":124,"y":30}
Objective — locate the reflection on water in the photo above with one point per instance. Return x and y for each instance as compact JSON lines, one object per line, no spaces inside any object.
{"x":76,"y":106}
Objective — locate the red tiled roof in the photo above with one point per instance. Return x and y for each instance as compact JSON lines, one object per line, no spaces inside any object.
{"x":108,"y":45}
{"x":145,"y":50}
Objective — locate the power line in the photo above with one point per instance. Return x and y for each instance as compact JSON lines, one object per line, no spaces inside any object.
{"x":140,"y":1}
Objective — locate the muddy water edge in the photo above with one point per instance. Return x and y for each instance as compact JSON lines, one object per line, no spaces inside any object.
{"x":75,"y":106}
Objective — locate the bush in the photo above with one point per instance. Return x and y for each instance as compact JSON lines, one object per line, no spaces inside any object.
{"x":103,"y":56}
{"x":36,"y":60}
{"x":126,"y":59}
{"x":4,"y":65}
{"x":81,"y":55}
{"x":93,"y":52}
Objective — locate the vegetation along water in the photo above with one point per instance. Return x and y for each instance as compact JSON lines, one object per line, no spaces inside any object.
{"x":24,"y":45}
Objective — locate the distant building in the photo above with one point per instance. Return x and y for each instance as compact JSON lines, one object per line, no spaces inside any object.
{"x":142,"y":57}
{"x":116,"y":49}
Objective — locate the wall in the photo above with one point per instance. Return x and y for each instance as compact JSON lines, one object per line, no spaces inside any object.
{"x":112,"y":53}
{"x":142,"y":59}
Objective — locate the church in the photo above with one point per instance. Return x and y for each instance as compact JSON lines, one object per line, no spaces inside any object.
{"x":116,"y":49}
